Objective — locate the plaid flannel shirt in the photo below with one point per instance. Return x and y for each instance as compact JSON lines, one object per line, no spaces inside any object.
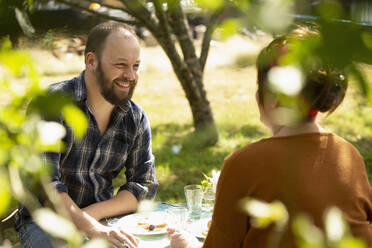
{"x":85,"y":169}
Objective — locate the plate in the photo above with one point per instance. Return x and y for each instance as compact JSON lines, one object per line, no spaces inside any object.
{"x":199,"y":228}
{"x":137,"y":224}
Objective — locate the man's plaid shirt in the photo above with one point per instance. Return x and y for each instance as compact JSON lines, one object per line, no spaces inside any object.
{"x":85,"y":169}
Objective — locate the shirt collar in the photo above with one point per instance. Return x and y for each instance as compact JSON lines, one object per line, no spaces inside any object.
{"x":80,"y":91}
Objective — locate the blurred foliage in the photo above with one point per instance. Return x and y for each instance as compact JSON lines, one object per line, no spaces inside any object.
{"x":47,"y":41}
{"x":343,"y":42}
{"x":244,"y":60}
{"x":24,"y":136}
{"x":335,"y":235}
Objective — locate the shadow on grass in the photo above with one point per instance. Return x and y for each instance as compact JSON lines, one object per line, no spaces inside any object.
{"x":181,"y":161}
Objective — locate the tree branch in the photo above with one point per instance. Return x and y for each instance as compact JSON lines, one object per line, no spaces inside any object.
{"x":163,"y":21}
{"x":106,"y":16}
{"x":212,"y":24}
{"x":141,"y":14}
{"x":164,"y":36}
{"x":181,"y":29}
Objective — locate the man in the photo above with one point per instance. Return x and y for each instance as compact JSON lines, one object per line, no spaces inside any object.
{"x":118,"y":136}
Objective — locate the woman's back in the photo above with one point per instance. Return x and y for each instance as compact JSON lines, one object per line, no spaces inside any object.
{"x":307,"y":172}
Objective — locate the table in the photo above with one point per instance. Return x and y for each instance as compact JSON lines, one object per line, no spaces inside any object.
{"x":161,"y":241}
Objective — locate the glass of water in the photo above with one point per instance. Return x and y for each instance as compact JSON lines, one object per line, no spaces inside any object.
{"x":208,"y":198}
{"x":194,"y":198}
{"x":177,"y":217}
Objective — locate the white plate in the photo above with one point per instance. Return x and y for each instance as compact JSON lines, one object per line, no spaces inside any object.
{"x":130,"y":223}
{"x":199,"y":228}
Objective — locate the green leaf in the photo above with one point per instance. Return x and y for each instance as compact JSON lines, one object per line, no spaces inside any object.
{"x":49,"y":220}
{"x":4,"y":193}
{"x":229,"y":28}
{"x":16,"y":61}
{"x":351,"y":243}
{"x":6,"y":143}
{"x":307,"y":234}
{"x":5,"y":45}
{"x":30,"y":2}
{"x":49,"y":104}
{"x":57,"y":147}
{"x":330,"y":10}
{"x":76,"y":119}
{"x":3,"y":157}
{"x":264,"y":214}
{"x":367,"y":39}
{"x":12,"y":117}
{"x":210,"y":4}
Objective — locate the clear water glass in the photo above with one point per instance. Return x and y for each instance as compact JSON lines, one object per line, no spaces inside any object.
{"x":194,"y":198}
{"x":177,"y":217}
{"x":208,"y":198}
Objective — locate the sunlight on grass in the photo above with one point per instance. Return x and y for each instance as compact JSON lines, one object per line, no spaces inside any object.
{"x":164,"y":174}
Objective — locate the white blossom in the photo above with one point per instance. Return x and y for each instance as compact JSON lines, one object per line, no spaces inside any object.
{"x":50,"y":132}
{"x":286,"y":79}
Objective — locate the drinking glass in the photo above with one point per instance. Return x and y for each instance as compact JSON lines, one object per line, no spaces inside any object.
{"x":194,"y":198}
{"x":208,"y":198}
{"x":177,"y":217}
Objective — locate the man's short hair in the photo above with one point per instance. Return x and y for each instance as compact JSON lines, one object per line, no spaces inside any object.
{"x":97,"y":36}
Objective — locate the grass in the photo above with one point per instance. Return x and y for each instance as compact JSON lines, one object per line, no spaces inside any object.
{"x":231,"y":88}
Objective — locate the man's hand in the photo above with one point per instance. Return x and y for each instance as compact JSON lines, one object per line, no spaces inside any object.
{"x":115,"y":235}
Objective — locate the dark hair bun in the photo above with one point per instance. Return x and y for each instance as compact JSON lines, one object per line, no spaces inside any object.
{"x":325,"y":89}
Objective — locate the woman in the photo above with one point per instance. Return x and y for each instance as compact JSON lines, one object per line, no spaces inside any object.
{"x":302,"y":165}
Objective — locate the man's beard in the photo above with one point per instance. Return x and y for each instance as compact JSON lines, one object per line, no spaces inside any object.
{"x":107,"y":88}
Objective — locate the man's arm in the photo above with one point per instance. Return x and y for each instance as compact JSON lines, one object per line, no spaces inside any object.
{"x":92,"y":228}
{"x":140,"y":164}
{"x":121,"y":203}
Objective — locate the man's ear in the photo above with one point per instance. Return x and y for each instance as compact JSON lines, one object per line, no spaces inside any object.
{"x":91,"y":61}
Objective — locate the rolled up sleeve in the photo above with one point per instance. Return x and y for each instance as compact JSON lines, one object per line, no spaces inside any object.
{"x":140,"y":165}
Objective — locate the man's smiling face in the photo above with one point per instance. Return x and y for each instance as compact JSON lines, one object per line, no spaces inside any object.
{"x":118,"y":65}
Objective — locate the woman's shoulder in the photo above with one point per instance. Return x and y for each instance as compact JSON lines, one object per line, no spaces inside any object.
{"x":339,"y":142}
{"x":252,"y":150}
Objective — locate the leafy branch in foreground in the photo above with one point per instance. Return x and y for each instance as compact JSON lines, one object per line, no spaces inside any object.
{"x":335,"y":235}
{"x":25,"y":136}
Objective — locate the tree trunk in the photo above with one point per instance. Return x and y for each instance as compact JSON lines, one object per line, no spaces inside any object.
{"x":204,"y":123}
{"x":192,"y":84}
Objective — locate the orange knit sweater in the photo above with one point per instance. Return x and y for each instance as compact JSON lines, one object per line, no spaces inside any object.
{"x":308,"y":173}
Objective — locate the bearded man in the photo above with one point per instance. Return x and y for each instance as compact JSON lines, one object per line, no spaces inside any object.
{"x":118,"y":136}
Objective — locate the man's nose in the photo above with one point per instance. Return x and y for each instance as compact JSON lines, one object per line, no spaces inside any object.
{"x":129,"y":74}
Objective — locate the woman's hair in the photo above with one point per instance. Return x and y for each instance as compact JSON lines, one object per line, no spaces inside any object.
{"x":324,"y":86}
